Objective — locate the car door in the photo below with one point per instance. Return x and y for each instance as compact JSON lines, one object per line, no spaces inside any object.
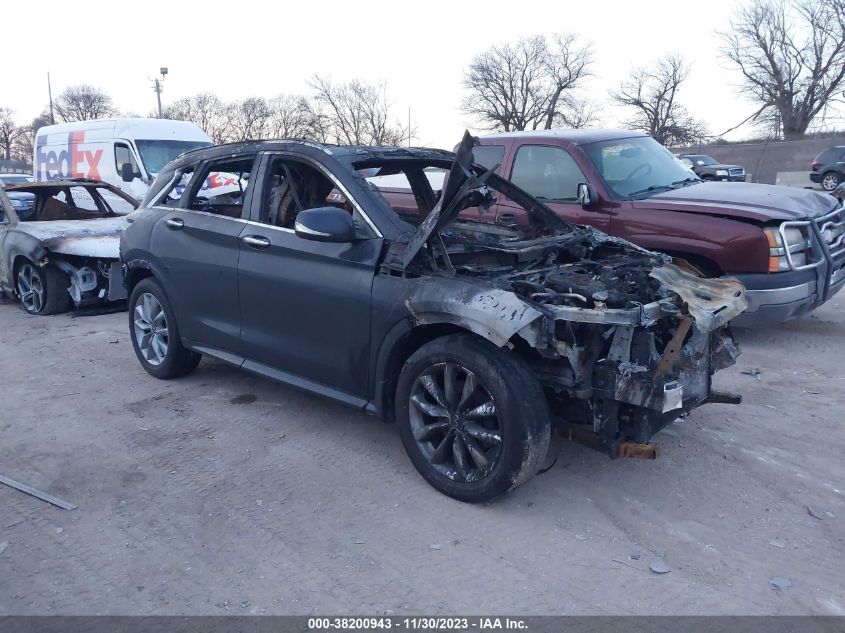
{"x":550,"y":174}
{"x":197,"y":248}
{"x":305,"y":305}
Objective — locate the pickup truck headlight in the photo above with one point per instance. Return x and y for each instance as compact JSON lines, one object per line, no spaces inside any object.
{"x":798,"y":243}
{"x":721,"y":172}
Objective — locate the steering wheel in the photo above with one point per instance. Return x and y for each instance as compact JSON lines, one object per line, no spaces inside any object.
{"x":645,"y":168}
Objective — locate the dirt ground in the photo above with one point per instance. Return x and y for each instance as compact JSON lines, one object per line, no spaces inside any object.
{"x":223,"y":493}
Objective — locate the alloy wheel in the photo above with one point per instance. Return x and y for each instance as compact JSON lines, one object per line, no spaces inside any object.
{"x":455,"y":422}
{"x":150,"y":329}
{"x":30,"y":288}
{"x":829,"y":182}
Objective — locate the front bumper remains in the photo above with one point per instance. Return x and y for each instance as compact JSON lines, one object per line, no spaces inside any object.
{"x":649,"y":366}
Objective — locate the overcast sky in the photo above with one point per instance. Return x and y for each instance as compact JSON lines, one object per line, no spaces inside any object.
{"x":250,"y":48}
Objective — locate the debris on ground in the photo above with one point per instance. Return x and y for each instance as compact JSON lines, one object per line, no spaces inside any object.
{"x":779,"y":583}
{"x":434,"y":546}
{"x":244,"y":398}
{"x":65,"y":505}
{"x":658,"y":566}
{"x":777,"y":544}
{"x":814,"y":514}
{"x":753,"y":371}
{"x":3,"y":546}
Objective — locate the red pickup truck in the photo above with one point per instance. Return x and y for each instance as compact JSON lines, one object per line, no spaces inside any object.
{"x":786,"y":245}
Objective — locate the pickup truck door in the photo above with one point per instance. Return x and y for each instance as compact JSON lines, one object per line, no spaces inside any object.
{"x":550,"y":174}
{"x":305,"y":305}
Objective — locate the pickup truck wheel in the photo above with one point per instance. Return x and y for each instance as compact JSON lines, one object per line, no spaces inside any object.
{"x":830,"y":181}
{"x":155,"y":335}
{"x":473,"y":418}
{"x":42,"y":289}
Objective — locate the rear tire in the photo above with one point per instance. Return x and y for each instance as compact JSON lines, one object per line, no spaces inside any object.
{"x":155,"y":334}
{"x":42,"y":289}
{"x":830,"y":180}
{"x":473,"y":418}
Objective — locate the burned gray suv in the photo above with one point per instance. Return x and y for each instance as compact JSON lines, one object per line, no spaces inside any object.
{"x":340,"y":271}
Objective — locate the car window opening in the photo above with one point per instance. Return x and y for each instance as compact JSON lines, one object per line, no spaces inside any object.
{"x":294,"y":187}
{"x":223,"y":189}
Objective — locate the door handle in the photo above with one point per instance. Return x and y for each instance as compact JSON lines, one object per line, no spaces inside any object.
{"x":256,"y":241}
{"x":508,"y":219}
{"x":175,"y":223}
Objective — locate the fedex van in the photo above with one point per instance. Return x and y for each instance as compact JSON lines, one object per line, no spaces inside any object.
{"x":126,"y":153}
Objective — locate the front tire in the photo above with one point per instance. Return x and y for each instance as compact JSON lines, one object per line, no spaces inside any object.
{"x":155,"y":334}
{"x":42,"y":289}
{"x":473,"y":418}
{"x":830,"y":181}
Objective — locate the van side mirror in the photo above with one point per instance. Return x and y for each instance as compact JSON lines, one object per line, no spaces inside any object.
{"x":587,"y":195}
{"x":325,"y":224}
{"x":127,"y":174}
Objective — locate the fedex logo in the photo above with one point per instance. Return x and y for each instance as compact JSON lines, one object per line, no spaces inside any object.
{"x":72,"y":162}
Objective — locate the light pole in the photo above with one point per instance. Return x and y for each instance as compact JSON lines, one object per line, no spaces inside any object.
{"x":157,"y":87}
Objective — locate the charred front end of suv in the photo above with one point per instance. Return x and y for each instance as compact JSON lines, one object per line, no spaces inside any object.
{"x":622,"y":340}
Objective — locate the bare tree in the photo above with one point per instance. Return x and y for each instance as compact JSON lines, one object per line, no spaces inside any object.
{"x":791,"y":57}
{"x":247,"y":119}
{"x":527,"y":84}
{"x":652,"y":91}
{"x":83,"y":103}
{"x":567,"y":64}
{"x":355,"y":113}
{"x":24,"y":144}
{"x":9,"y":132}
{"x":292,"y":116}
{"x":579,"y":114}
{"x":205,"y":109}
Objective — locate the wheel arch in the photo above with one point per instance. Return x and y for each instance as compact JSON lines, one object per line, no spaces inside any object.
{"x":135,"y":272}
{"x":401,"y":341}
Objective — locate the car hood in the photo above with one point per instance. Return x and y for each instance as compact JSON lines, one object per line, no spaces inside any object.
{"x":721,"y":166}
{"x":98,"y":238}
{"x":761,"y":203}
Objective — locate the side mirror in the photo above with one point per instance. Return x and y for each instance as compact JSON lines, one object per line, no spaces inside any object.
{"x":325,"y":224}
{"x":587,"y":195}
{"x":127,"y":174}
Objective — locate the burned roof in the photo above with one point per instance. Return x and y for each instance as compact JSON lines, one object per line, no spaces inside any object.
{"x":345,"y":153}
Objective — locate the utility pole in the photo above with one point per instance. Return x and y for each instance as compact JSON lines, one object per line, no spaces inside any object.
{"x":157,"y":87}
{"x":50,"y":94}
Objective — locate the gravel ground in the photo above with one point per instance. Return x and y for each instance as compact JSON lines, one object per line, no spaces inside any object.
{"x":223,"y":493}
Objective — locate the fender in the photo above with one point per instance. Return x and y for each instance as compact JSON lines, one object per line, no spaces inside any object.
{"x":434,"y":310}
{"x":18,"y":244}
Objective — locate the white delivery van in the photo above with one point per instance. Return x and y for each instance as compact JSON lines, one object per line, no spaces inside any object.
{"x":126,"y":153}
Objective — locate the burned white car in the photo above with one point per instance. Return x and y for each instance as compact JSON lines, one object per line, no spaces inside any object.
{"x":61,"y":248}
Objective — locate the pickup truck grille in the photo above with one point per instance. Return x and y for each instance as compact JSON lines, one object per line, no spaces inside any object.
{"x":832,"y":230}
{"x":736,"y":171}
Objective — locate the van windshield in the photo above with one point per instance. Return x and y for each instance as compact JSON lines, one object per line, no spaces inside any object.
{"x":156,"y":153}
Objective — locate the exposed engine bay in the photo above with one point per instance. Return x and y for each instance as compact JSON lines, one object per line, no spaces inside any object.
{"x":623,"y":340}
